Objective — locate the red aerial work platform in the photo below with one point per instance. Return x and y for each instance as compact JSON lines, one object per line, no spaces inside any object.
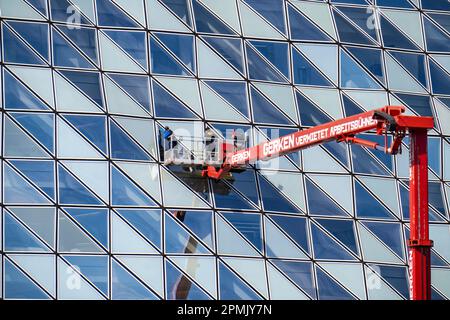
{"x":387,"y":120}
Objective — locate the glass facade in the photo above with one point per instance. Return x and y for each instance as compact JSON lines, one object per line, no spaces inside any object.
{"x":89,"y":211}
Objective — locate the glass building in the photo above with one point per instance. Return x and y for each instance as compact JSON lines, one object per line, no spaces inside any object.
{"x":89,"y":211}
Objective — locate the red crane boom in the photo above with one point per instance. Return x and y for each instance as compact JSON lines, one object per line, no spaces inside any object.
{"x":387,"y":120}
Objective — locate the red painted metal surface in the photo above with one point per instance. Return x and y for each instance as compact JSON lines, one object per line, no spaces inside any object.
{"x":303,"y":139}
{"x":419,"y":243}
{"x":387,"y":120}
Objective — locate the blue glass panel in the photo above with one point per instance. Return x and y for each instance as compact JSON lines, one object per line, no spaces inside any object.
{"x":389,"y":233}
{"x":305,"y":73}
{"x":420,"y":104}
{"x":230,"y":49}
{"x":329,"y":289}
{"x":396,"y":277}
{"x":273,"y":200}
{"x":272,"y":10}
{"x":198,"y":184}
{"x":327,"y":248}
{"x":437,"y":40}
{"x":339,"y":151}
{"x":371,"y":59}
{"x":343,"y":230}
{"x":181,"y":9}
{"x":435,"y":197}
{"x":245,"y":182}
{"x":437,"y":261}
{"x":95,"y":221}
{"x":17,"y":96}
{"x":226,"y":130}
{"x":446,"y":101}
{"x":434,"y":154}
{"x":304,"y":29}
{"x":385,"y":158}
{"x":205,"y":21}
{"x":41,"y":126}
{"x":147,"y":222}
{"x":414,"y":63}
{"x":35,"y":34}
{"x":72,"y":191}
{"x":348,"y":32}
{"x":87,"y":82}
{"x":404,"y":195}
{"x":122,"y":147}
{"x":15,"y":50}
{"x":404,"y":199}
{"x":310,"y":115}
{"x":248,"y":224}
{"x":201,"y":223}
{"x":19,"y":286}
{"x":436,"y":296}
{"x":178,"y":240}
{"x":362,"y":17}
{"x":436,"y":5}
{"x":132,"y":42}
{"x":162,"y":62}
{"x":350,"y":107}
{"x":180,"y":287}
{"x":84,"y":38}
{"x":367,"y":206}
{"x":18,"y":190}
{"x":65,"y":55}
{"x":126,"y":286}
{"x":365,"y":163}
{"x":40,"y":5}
{"x":94,"y":268}
{"x":393,"y":38}
{"x":295,"y":227}
{"x":233,"y":288}
{"x":136,"y":86}
{"x":42,"y":173}
{"x":125,"y":193}
{"x":63,"y":11}
{"x":167,"y":106}
{"x":234,"y":92}
{"x":259,"y":69}
{"x":276,"y":53}
{"x":18,"y":238}
{"x":442,"y":19}
{"x":440,"y":79}
{"x":182,"y":46}
{"x":92,"y":127}
{"x":319,"y":203}
{"x":264,"y":111}
{"x":225,"y":197}
{"x":300,"y":273}
{"x":111,"y":16}
{"x":350,"y":1}
{"x":353,"y":76}
{"x":395,"y":3}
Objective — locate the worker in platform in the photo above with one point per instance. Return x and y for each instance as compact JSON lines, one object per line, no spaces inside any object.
{"x":169,"y":137}
{"x":210,"y":141}
{"x":234,"y":137}
{"x":167,"y":133}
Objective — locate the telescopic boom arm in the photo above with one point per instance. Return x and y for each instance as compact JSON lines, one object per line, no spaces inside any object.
{"x":387,"y":120}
